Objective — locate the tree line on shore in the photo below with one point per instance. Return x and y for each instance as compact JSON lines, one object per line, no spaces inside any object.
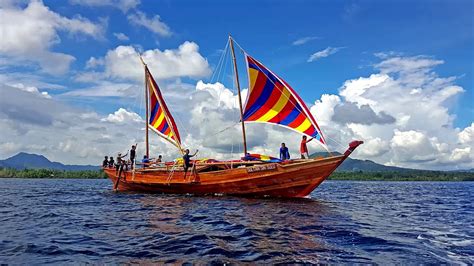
{"x":412,"y":175}
{"x":50,"y":173}
{"x":407,"y":175}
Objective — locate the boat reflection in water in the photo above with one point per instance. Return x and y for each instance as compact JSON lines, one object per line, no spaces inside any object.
{"x":244,"y":229}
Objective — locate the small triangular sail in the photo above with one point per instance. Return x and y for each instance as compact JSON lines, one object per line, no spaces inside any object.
{"x":160,"y":119}
{"x":271,"y":100}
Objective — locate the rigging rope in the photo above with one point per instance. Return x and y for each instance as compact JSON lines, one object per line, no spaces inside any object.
{"x":220,"y":62}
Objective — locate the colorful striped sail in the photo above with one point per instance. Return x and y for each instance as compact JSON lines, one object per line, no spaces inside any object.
{"x":271,"y":100}
{"x":160,"y":119}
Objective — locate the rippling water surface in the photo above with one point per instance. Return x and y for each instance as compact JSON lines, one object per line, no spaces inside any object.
{"x":64,"y":221}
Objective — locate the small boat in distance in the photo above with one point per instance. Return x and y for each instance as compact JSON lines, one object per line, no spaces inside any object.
{"x":270,"y":100}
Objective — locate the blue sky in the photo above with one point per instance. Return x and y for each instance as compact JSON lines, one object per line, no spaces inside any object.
{"x":267,"y":29}
{"x":359,"y":65}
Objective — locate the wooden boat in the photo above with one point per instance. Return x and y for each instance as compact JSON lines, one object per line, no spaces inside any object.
{"x":270,"y":100}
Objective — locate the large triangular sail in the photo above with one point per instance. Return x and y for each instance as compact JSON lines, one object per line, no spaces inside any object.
{"x":271,"y":100}
{"x":160,"y":119}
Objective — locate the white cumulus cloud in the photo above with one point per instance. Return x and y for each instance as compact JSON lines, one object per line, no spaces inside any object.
{"x":28,"y":35}
{"x":186,"y":61}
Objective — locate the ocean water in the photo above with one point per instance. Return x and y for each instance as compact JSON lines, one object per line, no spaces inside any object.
{"x":82,"y":221}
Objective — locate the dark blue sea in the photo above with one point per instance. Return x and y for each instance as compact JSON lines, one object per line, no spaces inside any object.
{"x":55,"y":221}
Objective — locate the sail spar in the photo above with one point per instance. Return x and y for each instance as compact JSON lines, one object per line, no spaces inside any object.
{"x":271,"y":100}
{"x":160,"y":119}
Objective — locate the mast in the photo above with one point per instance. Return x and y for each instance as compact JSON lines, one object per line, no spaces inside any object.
{"x":240,"y":96}
{"x":147,"y":146}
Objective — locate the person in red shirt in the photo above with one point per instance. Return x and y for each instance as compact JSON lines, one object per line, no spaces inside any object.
{"x":304,"y":148}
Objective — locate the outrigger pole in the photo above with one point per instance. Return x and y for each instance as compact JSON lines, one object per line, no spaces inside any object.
{"x":147,"y":152}
{"x":240,"y":96}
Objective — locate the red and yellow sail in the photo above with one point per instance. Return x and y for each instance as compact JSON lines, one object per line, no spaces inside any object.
{"x":160,"y":119}
{"x":271,"y":100}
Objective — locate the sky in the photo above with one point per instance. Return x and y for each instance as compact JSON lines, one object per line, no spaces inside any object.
{"x":398,"y":75}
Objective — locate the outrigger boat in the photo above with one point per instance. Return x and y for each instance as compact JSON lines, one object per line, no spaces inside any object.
{"x":269,"y":100}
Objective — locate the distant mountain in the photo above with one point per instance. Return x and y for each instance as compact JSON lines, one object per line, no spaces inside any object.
{"x":25,"y":160}
{"x":360,"y":165}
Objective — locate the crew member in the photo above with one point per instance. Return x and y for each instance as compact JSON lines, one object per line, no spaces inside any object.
{"x":284,"y":153}
{"x":187,"y":161}
{"x":304,"y":148}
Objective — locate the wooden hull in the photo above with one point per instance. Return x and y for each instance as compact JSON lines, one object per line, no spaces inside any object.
{"x":294,"y":179}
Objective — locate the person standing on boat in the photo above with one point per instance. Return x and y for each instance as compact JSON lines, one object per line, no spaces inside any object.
{"x":187,"y":161}
{"x":284,"y":153}
{"x":132,"y":156}
{"x":304,"y":148}
{"x":120,"y":162}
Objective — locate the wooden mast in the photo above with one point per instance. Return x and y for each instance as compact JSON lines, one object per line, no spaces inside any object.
{"x":147,"y":146}
{"x":240,"y":96}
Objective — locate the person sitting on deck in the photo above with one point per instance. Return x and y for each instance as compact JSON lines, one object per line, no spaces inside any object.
{"x":304,"y":148}
{"x":156,"y":162}
{"x":284,"y":153}
{"x":187,"y":161}
{"x":111,"y":162}
{"x":145,"y":161}
{"x":105,"y":162}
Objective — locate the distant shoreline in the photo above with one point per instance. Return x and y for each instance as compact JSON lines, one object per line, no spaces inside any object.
{"x":412,"y":175}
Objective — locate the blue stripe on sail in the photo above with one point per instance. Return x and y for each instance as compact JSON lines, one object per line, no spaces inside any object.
{"x":153,"y":112}
{"x":262,"y":99}
{"x":164,"y":128}
{"x":291,"y":117}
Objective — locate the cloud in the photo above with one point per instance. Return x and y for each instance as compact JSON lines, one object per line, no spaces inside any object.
{"x":31,"y":89}
{"x":324,"y":53}
{"x":28,"y":35}
{"x":351,"y":113}
{"x":153,"y":24}
{"x":304,"y":40}
{"x":122,"y":116}
{"x":121,"y":36}
{"x":123,"y":5}
{"x":63,"y":133}
{"x":186,"y":61}
{"x":412,"y":146}
{"x":107,"y":89}
{"x":402,"y":112}
{"x":404,"y":65}
{"x":466,"y":136}
{"x":94,"y":62}
{"x":26,"y":107}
